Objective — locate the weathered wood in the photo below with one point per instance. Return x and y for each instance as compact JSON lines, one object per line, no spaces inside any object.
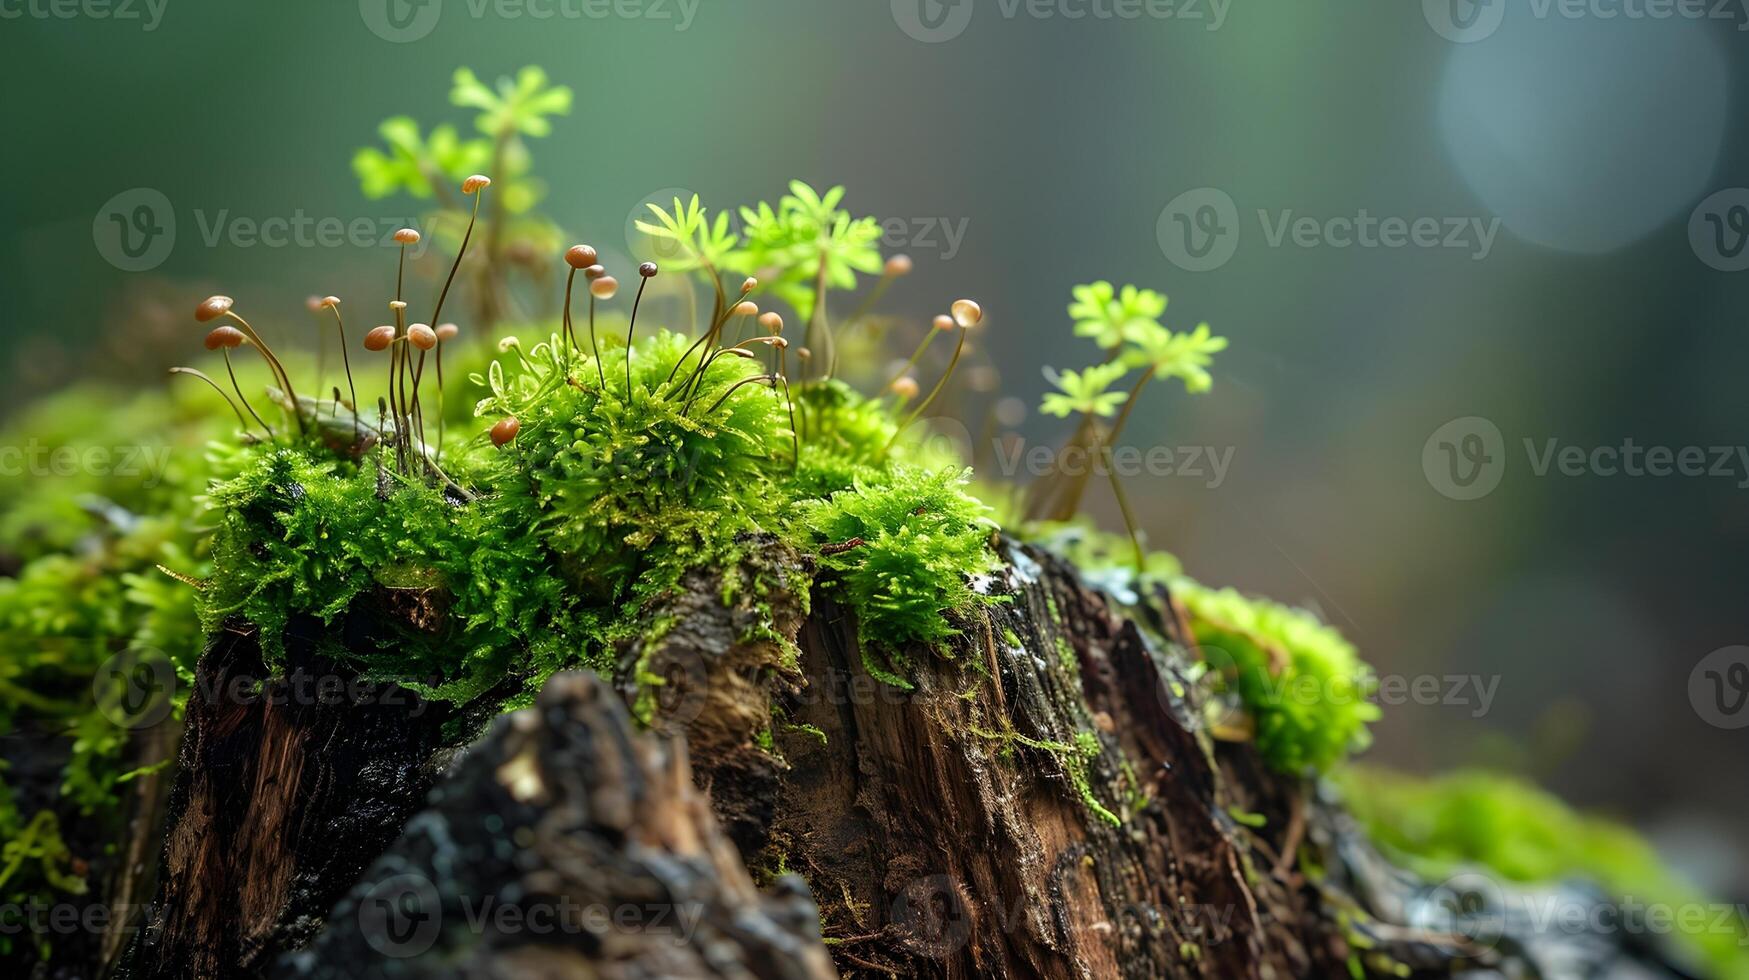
{"x":956,"y":830}
{"x":285,"y":790}
{"x":567,"y":845}
{"x":945,"y":831}
{"x":953,"y":830}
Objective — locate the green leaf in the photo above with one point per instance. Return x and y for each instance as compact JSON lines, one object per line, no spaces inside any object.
{"x":1087,"y":392}
{"x":1111,"y":317}
{"x":1185,"y":356}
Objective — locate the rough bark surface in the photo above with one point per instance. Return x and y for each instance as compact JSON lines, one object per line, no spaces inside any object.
{"x":961,"y":829}
{"x":282,"y":797}
{"x":568,"y":845}
{"x":956,"y":830}
{"x":1045,"y":803}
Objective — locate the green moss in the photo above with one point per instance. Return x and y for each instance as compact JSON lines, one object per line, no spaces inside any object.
{"x":1440,"y":826}
{"x":302,"y":535}
{"x":1074,"y":758}
{"x":564,"y":543}
{"x":1066,"y":654}
{"x":1304,"y":688}
{"x":632,"y":487}
{"x":1303,"y":685}
{"x":904,"y":553}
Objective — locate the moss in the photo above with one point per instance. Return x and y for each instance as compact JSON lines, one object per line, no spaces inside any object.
{"x":1074,"y":758}
{"x":1303,"y":685}
{"x":303,"y":535}
{"x":904,"y":553}
{"x":1440,"y":826}
{"x":562,"y":544}
{"x":631,"y":487}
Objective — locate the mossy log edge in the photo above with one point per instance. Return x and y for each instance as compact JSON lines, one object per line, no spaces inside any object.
{"x":1044,"y":803}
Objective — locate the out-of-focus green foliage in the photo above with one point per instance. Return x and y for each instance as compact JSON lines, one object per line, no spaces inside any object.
{"x":1471,"y":818}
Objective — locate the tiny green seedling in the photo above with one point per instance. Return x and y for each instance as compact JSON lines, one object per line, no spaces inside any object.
{"x":1126,"y":325}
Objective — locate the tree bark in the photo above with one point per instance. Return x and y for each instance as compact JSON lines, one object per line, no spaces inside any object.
{"x":568,"y":845}
{"x":1045,"y":803}
{"x":284,"y":792}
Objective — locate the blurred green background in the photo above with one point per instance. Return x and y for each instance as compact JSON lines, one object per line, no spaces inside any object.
{"x":1590,"y":296}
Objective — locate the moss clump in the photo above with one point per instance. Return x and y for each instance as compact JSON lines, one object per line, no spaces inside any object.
{"x":904,"y":553}
{"x":1440,"y":826}
{"x":631,"y":487}
{"x":549,"y":551}
{"x":1303,"y":685}
{"x":303,"y":535}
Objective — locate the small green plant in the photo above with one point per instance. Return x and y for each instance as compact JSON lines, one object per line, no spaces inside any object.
{"x":1126,"y":325}
{"x":427,"y":166}
{"x":815,"y":247}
